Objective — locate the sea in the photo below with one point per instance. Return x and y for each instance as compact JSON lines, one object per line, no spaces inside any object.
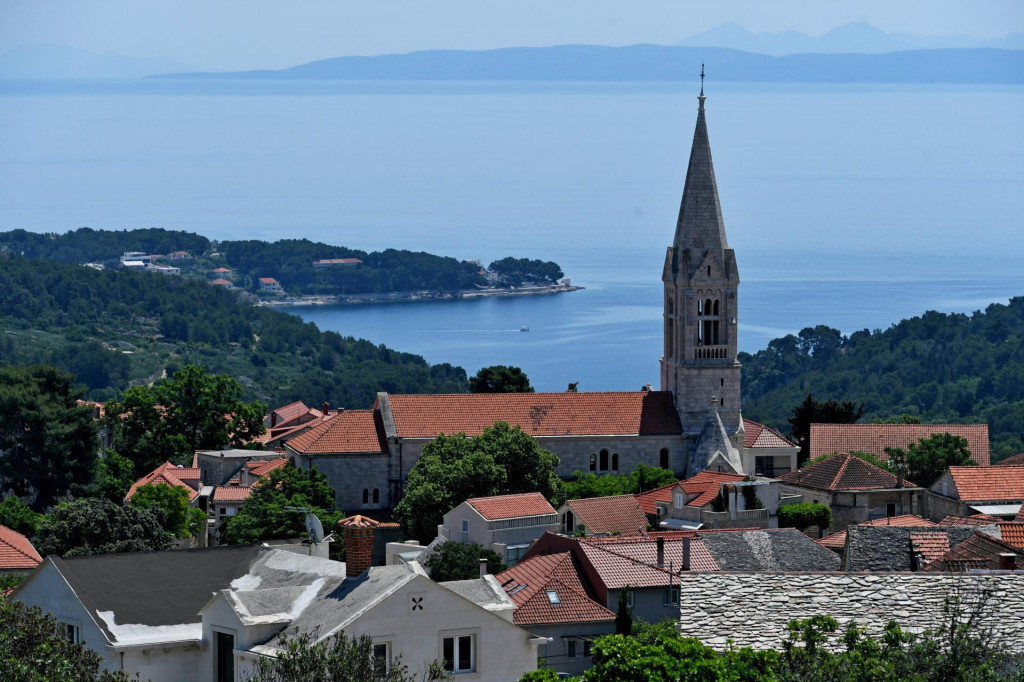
{"x":851,"y":206}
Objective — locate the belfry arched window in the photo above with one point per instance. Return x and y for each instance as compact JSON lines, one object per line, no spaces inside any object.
{"x":615,"y":461}
{"x":366,"y":495}
{"x":604,"y":460}
{"x":376,"y":495}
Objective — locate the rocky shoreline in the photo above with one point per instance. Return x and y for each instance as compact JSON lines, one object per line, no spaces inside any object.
{"x":406,"y":296}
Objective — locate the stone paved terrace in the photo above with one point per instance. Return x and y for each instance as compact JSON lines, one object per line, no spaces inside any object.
{"x":752,"y":609}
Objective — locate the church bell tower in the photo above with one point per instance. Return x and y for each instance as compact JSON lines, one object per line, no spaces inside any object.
{"x":699,"y":364}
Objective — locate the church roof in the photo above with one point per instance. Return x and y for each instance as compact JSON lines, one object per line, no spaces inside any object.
{"x":874,"y":438}
{"x":714,"y":449}
{"x":538,"y":414}
{"x":700,"y":221}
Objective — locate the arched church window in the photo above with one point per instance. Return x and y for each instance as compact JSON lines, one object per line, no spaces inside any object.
{"x":707,"y":306}
{"x":700,"y":306}
{"x":593,"y":462}
{"x":715,"y":307}
{"x":663,"y":458}
{"x":376,"y":495}
{"x":615,"y":461}
{"x":604,"y":460}
{"x":366,"y":495}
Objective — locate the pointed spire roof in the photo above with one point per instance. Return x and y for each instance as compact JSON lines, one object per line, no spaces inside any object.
{"x":700,"y":225}
{"x":713,"y":448}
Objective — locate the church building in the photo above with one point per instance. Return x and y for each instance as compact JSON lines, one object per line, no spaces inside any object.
{"x":692,"y":424}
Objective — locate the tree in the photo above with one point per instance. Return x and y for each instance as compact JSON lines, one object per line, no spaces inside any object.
{"x":335,"y":659}
{"x":264,"y":517}
{"x":452,"y":469}
{"x":456,"y":561}
{"x":98,"y":526}
{"x":192,"y":410}
{"x":804,"y":515}
{"x":179,"y":518}
{"x":589,"y":484}
{"x":811,"y":411}
{"x":19,"y":517}
{"x":47,"y":439}
{"x":114,"y":477}
{"x":33,"y":649}
{"x":500,"y":379}
{"x":928,"y":458}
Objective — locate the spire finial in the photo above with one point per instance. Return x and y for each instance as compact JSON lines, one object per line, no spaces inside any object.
{"x":702,"y":79}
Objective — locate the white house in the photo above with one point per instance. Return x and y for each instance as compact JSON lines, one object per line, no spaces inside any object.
{"x":506,"y":524}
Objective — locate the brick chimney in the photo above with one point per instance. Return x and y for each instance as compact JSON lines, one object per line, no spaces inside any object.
{"x":358,"y":533}
{"x":1007,"y":561}
{"x":686,"y":553}
{"x":661,"y":550}
{"x":325,"y":408}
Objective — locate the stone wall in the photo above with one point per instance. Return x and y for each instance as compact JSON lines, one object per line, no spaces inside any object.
{"x":938,"y":507}
{"x":350,"y":475}
{"x":752,"y":609}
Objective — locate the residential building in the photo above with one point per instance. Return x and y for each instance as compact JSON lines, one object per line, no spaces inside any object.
{"x":826,"y":439}
{"x":855,"y":490}
{"x":615,"y":515}
{"x":962,"y":491}
{"x":766,"y":452}
{"x":331,"y":262}
{"x":179,"y":256}
{"x":505,"y":524}
{"x":221,"y":282}
{"x":17,"y":555}
{"x":698,"y":492}
{"x":553,"y":601}
{"x":753,"y":609}
{"x":837,"y":541}
{"x":269,"y":285}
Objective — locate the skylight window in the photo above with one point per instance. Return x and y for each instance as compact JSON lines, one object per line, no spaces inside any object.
{"x":553,"y":597}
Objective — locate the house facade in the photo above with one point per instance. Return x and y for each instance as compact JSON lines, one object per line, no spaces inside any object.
{"x":505,"y":524}
{"x":963,"y":491}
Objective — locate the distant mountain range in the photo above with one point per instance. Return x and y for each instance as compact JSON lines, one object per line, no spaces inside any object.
{"x":659,"y":63}
{"x":62,"y":61}
{"x":848,"y":38}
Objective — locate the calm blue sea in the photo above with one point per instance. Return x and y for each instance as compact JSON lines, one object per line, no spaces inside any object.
{"x":850,"y":206}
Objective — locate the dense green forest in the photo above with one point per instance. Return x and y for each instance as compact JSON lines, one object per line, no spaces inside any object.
{"x":116,"y":327}
{"x":289,"y":261}
{"x":939,"y":367}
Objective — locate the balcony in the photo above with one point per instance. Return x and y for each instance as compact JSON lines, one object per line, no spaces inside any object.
{"x":711,"y":353}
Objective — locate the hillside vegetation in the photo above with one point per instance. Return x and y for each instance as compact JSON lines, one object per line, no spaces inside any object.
{"x":114,"y":328}
{"x":940,"y":367}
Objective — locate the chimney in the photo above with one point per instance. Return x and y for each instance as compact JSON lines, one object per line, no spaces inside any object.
{"x":899,"y":476}
{"x":686,"y":554}
{"x":1007,"y":561}
{"x":661,"y":551}
{"x":273,"y":419}
{"x":483,"y":567}
{"x":325,"y":408}
{"x":358,"y":533}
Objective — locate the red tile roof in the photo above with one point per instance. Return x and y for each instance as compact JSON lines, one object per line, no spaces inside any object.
{"x":930,"y":544}
{"x":838,"y":540}
{"x":761,"y":436}
{"x":979,"y":551}
{"x":231,"y":493}
{"x":976,"y":484}
{"x":16,"y":552}
{"x":633,"y":561}
{"x":701,"y":485}
{"x":874,"y":438}
{"x":169,"y":474}
{"x":1015,"y":460}
{"x":268,"y":280}
{"x":220,"y":282}
{"x":261,"y":468}
{"x":511,"y":506}
{"x":289,"y":412}
{"x":616,"y":514}
{"x":527,"y":584}
{"x":538,"y":414}
{"x":351,"y":431}
{"x":1012,"y":533}
{"x":359,"y":521}
{"x":842,"y":472}
{"x":974,"y":520}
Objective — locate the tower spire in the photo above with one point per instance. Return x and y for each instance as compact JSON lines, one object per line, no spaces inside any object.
{"x":702,"y":80}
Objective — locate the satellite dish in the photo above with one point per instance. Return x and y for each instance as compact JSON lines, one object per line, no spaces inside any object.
{"x":314,"y":528}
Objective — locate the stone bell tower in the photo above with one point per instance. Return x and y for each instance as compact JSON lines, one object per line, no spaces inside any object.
{"x":701,"y":280}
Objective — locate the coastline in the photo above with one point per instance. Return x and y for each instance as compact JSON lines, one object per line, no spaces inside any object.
{"x":407,"y":296}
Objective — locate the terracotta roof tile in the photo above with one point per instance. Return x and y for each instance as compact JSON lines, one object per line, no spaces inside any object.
{"x":700,"y":484}
{"x":263,"y":467}
{"x":842,"y":472}
{"x":761,"y":436}
{"x":975,"y":483}
{"x":633,"y":561}
{"x":1012,"y":533}
{"x":1015,"y":460}
{"x":291,"y":411}
{"x":351,"y":431}
{"x":16,"y":552}
{"x":931,"y":545}
{"x":169,"y":474}
{"x":974,"y":520}
{"x":538,"y":414}
{"x":560,"y":603}
{"x":835,"y":542}
{"x":874,"y":438}
{"x":527,"y":583}
{"x":511,"y":506}
{"x":359,"y":521}
{"x":231,"y":493}
{"x":619,"y":513}
{"x":979,"y":551}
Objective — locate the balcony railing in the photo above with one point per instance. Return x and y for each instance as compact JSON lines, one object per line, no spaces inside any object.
{"x":711,"y":352}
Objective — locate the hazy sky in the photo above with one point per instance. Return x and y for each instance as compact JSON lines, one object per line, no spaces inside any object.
{"x":236,"y":34}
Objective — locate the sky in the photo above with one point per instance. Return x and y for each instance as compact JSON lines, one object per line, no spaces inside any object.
{"x":250,"y":34}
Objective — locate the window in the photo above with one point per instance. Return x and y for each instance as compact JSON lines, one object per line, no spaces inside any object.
{"x":604,"y":460}
{"x":890,"y":509}
{"x":225,"y":657}
{"x":513,"y":553}
{"x":381,"y":659}
{"x":465,"y":531}
{"x":570,"y":648}
{"x":458,"y":654}
{"x":586,"y":648}
{"x":670,"y":597}
{"x":678,"y":500}
{"x":376,"y":495}
{"x":714,"y":308}
{"x":629,"y":601}
{"x":553,"y":597}
{"x":593,"y":462}
{"x":366,"y":495}
{"x":615,"y":461}
{"x":70,"y":632}
{"x":663,"y":458}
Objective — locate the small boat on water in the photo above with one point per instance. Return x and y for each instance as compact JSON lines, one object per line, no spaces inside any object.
{"x":524,"y":328}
